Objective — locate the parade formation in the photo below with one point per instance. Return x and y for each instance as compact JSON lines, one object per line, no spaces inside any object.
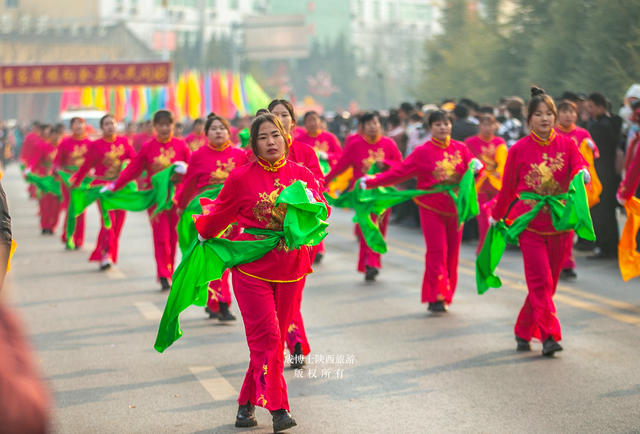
{"x":250,"y":214}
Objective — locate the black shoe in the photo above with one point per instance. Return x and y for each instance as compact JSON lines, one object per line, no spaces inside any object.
{"x":438,"y":307}
{"x":246,"y":416}
{"x":584,"y":245}
{"x":318,"y":259}
{"x":550,"y":346}
{"x":297,"y":358}
{"x":166,"y":285}
{"x":568,"y":274}
{"x":211,"y":313}
{"x":370,"y":275}
{"x":105,"y":266}
{"x":225,"y":314}
{"x":523,"y":345}
{"x":598,"y":254}
{"x":46,"y":232}
{"x":282,"y":420}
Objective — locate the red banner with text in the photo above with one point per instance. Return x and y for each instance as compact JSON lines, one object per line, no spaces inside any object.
{"x":34,"y":78}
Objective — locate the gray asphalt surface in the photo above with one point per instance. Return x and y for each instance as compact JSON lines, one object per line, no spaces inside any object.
{"x":404,"y":370}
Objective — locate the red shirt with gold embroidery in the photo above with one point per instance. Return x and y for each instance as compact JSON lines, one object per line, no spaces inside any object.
{"x":105,"y":159}
{"x":153,"y":157}
{"x":486,"y":152}
{"x":304,"y":154}
{"x":361,"y":154}
{"x":432,"y":163}
{"x":248,"y":197}
{"x":195,"y":141}
{"x":43,"y":157}
{"x":323,"y":141}
{"x":579,"y":136}
{"x":71,"y":153}
{"x":544,"y":168}
{"x":140,"y":140}
{"x":208,"y":166}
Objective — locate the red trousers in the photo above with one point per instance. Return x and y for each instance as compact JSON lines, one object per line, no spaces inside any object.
{"x":165,"y":240}
{"x":108,"y":243}
{"x":219,"y":290}
{"x":570,"y":261}
{"x":50,"y":206}
{"x":78,"y":235}
{"x":367,"y":257}
{"x":33,"y":191}
{"x":442,"y":236}
{"x":296,"y":333}
{"x":543,"y":256}
{"x":267,"y":309}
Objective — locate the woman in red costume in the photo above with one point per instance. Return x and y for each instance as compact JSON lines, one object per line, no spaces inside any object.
{"x":42,"y":165}
{"x":567,"y":118}
{"x":156,"y":155}
{"x":439,"y":161}
{"x":29,"y":146}
{"x":543,"y":163}
{"x":492,"y":151}
{"x":365,"y":152}
{"x":71,"y":155}
{"x":209,"y":166}
{"x":326,"y":145}
{"x":104,"y":162}
{"x":266,"y":289}
{"x":197,"y":138}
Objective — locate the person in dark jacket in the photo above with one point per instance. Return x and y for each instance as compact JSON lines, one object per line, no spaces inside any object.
{"x":605,"y":130}
{"x":463,"y":127}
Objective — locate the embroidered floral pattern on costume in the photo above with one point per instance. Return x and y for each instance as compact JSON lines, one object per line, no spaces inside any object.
{"x":540,"y":178}
{"x":222,"y":172}
{"x":163,"y":160}
{"x":374,"y":157}
{"x":446,"y":168}
{"x":488,"y":155}
{"x":266,"y":211}
{"x":321,"y":146}
{"x":76,"y":157}
{"x":112,"y":161}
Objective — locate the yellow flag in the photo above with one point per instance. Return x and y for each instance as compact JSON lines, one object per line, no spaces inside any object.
{"x":181,"y":96}
{"x":100,"y":98}
{"x":86,"y":97}
{"x":143,"y":110}
{"x":236,"y":96}
{"x":193,"y":96}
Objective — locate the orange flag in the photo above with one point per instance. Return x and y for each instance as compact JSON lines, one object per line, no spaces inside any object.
{"x":628,"y":257}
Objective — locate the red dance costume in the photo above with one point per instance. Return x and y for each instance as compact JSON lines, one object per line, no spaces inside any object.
{"x":139,"y":140}
{"x":105,"y":159}
{"x":578,"y":136}
{"x":323,"y":141}
{"x":266,"y":289}
{"x":195,"y":141}
{"x":42,"y":165}
{"x":211,"y":166}
{"x":544,"y":167}
{"x":493,"y":154}
{"x":361,"y":154}
{"x":435,"y":163}
{"x":71,"y":155}
{"x":29,"y":147}
{"x":154,"y":157}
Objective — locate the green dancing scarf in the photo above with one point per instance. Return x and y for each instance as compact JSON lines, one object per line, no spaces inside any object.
{"x":378,"y":200}
{"x":574,"y":216}
{"x":46,"y":184}
{"x":127,"y":199}
{"x":186,"y":227}
{"x":304,"y":225}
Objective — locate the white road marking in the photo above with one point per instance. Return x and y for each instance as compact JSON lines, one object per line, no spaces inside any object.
{"x":115,"y":273}
{"x":214,"y":383}
{"x":149,"y":310}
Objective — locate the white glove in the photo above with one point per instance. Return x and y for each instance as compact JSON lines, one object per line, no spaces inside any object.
{"x":621,"y":201}
{"x":591,"y":144}
{"x":109,"y":187}
{"x":476,"y":165}
{"x":27,"y":171}
{"x":310,"y":195}
{"x":587,"y":176}
{"x":202,"y":240}
{"x":323,"y":155}
{"x":492,"y":222}
{"x":181,"y":167}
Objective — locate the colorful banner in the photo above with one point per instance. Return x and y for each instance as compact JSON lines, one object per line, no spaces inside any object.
{"x":17,"y":78}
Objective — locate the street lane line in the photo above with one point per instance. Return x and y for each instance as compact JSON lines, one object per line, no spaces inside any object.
{"x":115,"y":274}
{"x":563,"y":298}
{"x":149,"y":310}
{"x":214,"y":383}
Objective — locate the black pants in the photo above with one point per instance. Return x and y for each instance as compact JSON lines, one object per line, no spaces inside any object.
{"x":605,"y":222}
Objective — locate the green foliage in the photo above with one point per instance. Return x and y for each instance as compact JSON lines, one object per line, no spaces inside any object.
{"x":577,"y":45}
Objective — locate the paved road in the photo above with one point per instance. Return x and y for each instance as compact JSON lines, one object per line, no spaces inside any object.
{"x":401,"y":369}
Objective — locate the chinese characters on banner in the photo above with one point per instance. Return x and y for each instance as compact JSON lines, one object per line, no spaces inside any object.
{"x":16,"y":78}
